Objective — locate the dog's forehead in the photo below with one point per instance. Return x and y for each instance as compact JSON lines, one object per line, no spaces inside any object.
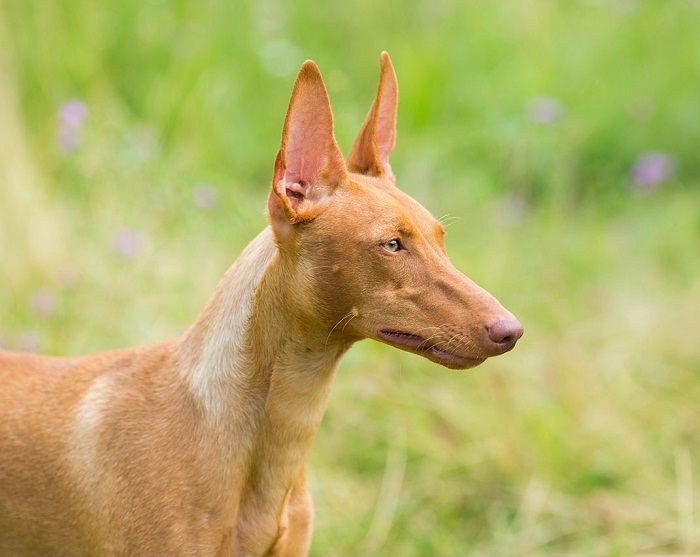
{"x":382,"y":198}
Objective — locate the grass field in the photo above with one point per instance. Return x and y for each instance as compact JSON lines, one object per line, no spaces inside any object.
{"x":136,"y":149}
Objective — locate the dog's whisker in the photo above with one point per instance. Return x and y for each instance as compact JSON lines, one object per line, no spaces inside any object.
{"x":349,"y":314}
{"x":447,"y":220}
{"x":342,"y":331}
{"x":458,"y":338}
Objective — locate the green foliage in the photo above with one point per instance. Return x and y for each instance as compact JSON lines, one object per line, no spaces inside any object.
{"x":561,"y":135}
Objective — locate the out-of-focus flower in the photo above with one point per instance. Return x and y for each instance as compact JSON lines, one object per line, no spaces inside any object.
{"x":545,"y":110}
{"x":67,"y":275}
{"x":29,"y":341}
{"x":43,"y":302}
{"x":72,"y":113}
{"x":625,"y":7}
{"x":640,"y":108}
{"x":650,"y":170}
{"x":510,"y":209}
{"x":205,"y":196}
{"x":67,"y":139}
{"x":71,"y":117}
{"x":127,"y":242}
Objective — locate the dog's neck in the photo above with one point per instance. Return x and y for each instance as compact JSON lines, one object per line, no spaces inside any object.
{"x":259,"y":373}
{"x":214,"y":354}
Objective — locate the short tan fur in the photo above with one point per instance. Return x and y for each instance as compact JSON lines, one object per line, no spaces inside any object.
{"x":197,"y":446}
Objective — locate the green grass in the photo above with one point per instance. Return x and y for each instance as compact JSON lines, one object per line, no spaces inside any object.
{"x":584,"y":440}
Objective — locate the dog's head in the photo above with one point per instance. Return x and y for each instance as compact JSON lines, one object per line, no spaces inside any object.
{"x":370,"y":257}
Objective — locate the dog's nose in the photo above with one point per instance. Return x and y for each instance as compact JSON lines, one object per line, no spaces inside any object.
{"x":504,"y":334}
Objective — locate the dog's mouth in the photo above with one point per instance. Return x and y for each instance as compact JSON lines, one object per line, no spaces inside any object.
{"x":428,"y":349}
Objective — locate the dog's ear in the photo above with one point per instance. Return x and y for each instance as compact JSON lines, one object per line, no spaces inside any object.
{"x":370,"y":151}
{"x":309,"y":164}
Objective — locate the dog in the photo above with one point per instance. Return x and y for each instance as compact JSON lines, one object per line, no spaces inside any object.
{"x":197,"y":446}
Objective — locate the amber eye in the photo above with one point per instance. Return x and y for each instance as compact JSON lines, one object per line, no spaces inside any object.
{"x":392,"y":245}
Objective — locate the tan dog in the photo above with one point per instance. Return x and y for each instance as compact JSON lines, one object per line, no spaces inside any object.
{"x":197,"y":446}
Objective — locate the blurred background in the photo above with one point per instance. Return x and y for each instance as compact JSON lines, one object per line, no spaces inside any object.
{"x":561,"y":138}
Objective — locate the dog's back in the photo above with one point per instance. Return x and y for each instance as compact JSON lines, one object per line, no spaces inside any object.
{"x":36,"y":395}
{"x":70,"y":432}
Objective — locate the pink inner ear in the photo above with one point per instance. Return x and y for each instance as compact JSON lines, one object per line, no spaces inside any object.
{"x":385,"y":133}
{"x":386,"y":124}
{"x":385,"y":140}
{"x":296,"y":189}
{"x":307,"y":148}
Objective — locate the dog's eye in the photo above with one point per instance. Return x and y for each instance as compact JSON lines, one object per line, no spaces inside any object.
{"x":392,"y":245}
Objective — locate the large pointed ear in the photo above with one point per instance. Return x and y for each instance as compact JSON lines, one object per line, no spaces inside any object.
{"x":370,"y":151}
{"x":309,"y":164}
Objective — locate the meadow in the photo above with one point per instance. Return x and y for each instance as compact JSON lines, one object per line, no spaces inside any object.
{"x":137,"y":141}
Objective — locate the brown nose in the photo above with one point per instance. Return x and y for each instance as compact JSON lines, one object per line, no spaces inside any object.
{"x":504,"y":334}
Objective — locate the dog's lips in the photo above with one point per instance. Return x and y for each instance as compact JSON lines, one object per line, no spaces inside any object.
{"x":423,"y":347}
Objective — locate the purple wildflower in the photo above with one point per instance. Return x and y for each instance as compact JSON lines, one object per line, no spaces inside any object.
{"x":511,"y":209}
{"x":29,"y":341}
{"x":127,"y":242}
{"x":640,"y":108}
{"x":625,"y":7}
{"x":72,"y":113}
{"x":67,"y":139}
{"x":205,"y":196}
{"x":650,"y":170}
{"x":71,"y":117}
{"x":545,"y":110}
{"x":43,"y":302}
